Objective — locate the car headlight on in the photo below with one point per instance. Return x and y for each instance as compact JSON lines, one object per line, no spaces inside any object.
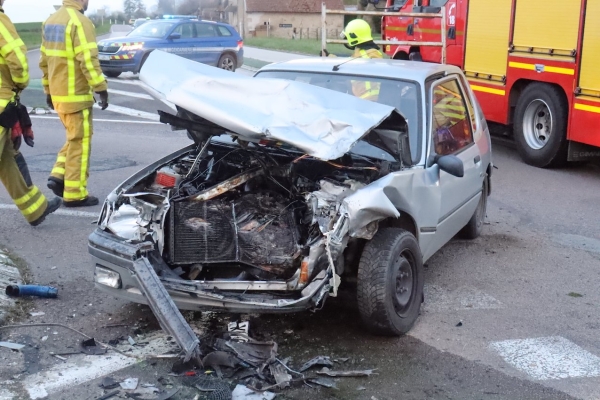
{"x":107,"y":277}
{"x":132,"y":47}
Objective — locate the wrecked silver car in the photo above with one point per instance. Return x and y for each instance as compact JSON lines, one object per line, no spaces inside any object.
{"x":294,"y":183}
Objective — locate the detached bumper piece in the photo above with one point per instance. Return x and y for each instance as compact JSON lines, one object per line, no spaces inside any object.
{"x":165,"y":310}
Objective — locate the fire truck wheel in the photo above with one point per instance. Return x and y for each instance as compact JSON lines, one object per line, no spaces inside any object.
{"x":540,"y":125}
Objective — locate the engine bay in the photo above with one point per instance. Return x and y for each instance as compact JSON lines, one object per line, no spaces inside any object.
{"x":245,"y":212}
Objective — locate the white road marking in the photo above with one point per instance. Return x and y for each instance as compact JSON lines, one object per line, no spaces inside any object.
{"x":439,"y":299}
{"x":80,"y":369}
{"x":131,"y":112}
{"x":66,"y":213}
{"x":548,"y":358}
{"x":105,"y":120}
{"x":131,"y":94}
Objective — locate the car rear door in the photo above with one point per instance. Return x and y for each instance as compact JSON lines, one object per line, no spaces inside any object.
{"x":208,"y":43}
{"x":452,"y":127}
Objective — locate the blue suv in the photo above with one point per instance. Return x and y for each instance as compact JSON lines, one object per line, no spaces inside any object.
{"x":208,"y":42}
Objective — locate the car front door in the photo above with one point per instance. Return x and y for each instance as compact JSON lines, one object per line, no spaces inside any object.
{"x":452,"y":134}
{"x":185,"y":45}
{"x":208,"y":43}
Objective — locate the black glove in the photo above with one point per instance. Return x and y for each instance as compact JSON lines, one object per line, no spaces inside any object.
{"x":49,"y":101}
{"x":324,"y":53}
{"x":103,"y":103}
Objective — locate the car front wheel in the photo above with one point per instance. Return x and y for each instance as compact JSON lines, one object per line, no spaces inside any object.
{"x":227,"y":62}
{"x":390,"y":282}
{"x":112,"y":74}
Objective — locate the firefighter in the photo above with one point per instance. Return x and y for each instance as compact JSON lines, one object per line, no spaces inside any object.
{"x":71,"y":71}
{"x":14,"y":76}
{"x":358,"y":35}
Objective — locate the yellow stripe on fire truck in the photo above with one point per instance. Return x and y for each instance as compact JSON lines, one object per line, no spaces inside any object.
{"x":542,"y":68}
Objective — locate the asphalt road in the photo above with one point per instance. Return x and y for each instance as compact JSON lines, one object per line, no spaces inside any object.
{"x":511,"y":315}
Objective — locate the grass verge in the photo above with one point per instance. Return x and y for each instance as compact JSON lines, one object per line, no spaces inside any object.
{"x":31,"y":33}
{"x":302,"y":46}
{"x":251,"y":62}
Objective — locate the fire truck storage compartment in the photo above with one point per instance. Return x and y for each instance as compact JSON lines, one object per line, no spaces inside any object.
{"x":487,"y":34}
{"x":546,"y":25}
{"x":590,"y":54}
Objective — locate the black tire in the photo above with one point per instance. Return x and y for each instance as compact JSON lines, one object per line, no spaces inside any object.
{"x":227,"y":62}
{"x":111,"y":74}
{"x":384,"y":309}
{"x":540,"y":125}
{"x":475,"y":225}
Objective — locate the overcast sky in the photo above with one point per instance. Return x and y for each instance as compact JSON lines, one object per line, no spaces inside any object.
{"x":39,"y":10}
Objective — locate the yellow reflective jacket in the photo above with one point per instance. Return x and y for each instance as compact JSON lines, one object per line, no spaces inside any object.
{"x":69,"y":59}
{"x":14,"y":71}
{"x":364,"y":89}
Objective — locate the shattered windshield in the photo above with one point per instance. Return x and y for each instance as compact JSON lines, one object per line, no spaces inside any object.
{"x":153,"y":29}
{"x":403,"y":95}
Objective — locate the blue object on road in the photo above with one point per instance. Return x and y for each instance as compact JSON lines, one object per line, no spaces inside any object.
{"x":31,"y":290}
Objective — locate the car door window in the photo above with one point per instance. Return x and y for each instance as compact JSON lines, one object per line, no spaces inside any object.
{"x":223,"y":31}
{"x":451,"y":123}
{"x":185,"y":30}
{"x":206,"y":30}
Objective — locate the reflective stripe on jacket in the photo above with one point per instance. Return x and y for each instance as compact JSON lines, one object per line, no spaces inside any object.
{"x":365,"y":89}
{"x":69,"y":59}
{"x":14,"y":71}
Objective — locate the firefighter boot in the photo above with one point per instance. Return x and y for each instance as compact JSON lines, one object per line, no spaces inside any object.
{"x":52,"y":206}
{"x":87,"y":202}
{"x":56,"y":185}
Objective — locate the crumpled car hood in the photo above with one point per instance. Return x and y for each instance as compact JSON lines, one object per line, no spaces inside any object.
{"x":322,"y":123}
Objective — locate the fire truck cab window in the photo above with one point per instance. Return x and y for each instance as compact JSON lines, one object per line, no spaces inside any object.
{"x":450,"y":120}
{"x":437,"y":3}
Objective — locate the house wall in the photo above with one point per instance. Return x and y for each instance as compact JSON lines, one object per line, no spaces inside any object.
{"x":308,"y":26}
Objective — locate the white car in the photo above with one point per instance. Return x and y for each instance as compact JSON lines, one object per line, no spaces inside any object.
{"x":293,"y":184}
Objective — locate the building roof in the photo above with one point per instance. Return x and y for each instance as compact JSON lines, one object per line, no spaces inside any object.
{"x":292,"y":6}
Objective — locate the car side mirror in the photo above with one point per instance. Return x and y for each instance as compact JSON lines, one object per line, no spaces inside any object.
{"x":451,"y":165}
{"x":175,"y":35}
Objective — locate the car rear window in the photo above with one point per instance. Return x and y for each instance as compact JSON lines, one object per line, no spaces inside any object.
{"x":205,"y":30}
{"x":224,"y":31}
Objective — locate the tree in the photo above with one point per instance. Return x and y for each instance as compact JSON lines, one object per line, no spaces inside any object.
{"x":129,"y":7}
{"x":166,"y":7}
{"x":140,"y":9}
{"x":188,"y":7}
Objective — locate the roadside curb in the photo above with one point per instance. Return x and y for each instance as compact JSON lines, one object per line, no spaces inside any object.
{"x":252,"y":69}
{"x":9,"y":275}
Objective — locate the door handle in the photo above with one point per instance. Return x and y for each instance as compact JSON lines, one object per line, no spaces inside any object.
{"x":477,"y":159}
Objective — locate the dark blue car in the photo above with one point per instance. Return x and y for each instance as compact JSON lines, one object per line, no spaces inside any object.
{"x":208,"y":42}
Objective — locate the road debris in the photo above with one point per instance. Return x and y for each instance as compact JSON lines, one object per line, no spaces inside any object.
{"x":242,"y":392}
{"x":219,"y":358}
{"x":90,"y":347}
{"x":321,"y":361}
{"x":346,"y":374}
{"x":459,"y":324}
{"x":109,"y":383}
{"x":129,"y":384}
{"x":60,"y":357}
{"x":37,"y":314}
{"x":31,"y":290}
{"x":325,"y":382}
{"x":109,"y":395}
{"x":131,"y":341}
{"x":218,"y":389}
{"x":237,"y":327}
{"x":280,"y":374}
{"x":11,"y":345}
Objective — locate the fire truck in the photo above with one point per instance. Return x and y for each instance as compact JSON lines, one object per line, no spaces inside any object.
{"x":533,"y":64}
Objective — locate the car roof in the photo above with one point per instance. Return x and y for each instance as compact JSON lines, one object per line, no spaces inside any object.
{"x":381,"y":68}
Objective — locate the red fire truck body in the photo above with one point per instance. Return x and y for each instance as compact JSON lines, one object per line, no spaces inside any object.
{"x":533,"y":64}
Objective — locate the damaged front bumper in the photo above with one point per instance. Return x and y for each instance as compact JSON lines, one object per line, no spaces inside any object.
{"x":118,"y":256}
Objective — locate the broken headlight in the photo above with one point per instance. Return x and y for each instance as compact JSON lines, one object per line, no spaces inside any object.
{"x":107,"y":277}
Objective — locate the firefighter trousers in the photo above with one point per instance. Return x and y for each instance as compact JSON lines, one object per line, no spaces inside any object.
{"x":73,"y":160}
{"x":29,"y":200}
